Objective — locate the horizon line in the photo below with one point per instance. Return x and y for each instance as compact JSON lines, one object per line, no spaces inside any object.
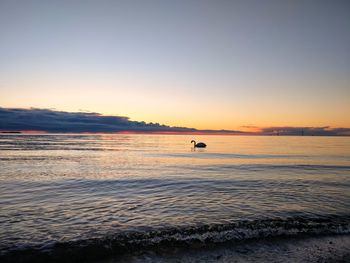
{"x":218,"y":133}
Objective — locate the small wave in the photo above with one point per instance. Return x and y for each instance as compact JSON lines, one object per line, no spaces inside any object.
{"x":207,"y":155}
{"x":258,"y":167}
{"x":124,"y":242}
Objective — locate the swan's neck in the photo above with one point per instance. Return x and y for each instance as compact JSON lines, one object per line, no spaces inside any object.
{"x":194,"y":142}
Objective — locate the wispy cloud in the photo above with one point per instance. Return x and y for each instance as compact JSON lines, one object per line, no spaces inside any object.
{"x":48,"y":120}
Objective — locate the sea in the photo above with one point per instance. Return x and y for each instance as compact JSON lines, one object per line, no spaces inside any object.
{"x":67,"y":195}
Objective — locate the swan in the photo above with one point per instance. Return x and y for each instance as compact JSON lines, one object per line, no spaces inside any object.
{"x":199,"y":145}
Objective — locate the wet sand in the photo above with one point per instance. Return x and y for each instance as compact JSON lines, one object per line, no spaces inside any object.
{"x":296,"y":249}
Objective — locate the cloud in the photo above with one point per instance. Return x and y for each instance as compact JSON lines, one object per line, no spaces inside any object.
{"x":48,"y":120}
{"x":60,"y":121}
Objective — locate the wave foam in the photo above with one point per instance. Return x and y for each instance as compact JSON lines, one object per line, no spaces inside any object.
{"x":124,"y":242}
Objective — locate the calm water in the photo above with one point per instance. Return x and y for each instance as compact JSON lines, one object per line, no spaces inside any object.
{"x":66,"y":188}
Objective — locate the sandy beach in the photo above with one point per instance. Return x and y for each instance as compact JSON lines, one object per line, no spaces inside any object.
{"x":319,"y":249}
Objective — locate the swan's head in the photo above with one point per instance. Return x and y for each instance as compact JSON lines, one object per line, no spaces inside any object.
{"x":193,"y":141}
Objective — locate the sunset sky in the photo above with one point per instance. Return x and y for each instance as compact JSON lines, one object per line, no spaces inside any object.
{"x":201,"y":64}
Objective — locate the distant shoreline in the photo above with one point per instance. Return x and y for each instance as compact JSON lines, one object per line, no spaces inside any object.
{"x":11,"y":132}
{"x":166,"y":133}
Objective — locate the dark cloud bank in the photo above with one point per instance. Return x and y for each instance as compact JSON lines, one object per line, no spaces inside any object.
{"x":60,"y":122}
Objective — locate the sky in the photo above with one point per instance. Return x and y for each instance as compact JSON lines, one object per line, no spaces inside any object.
{"x":231,"y":65}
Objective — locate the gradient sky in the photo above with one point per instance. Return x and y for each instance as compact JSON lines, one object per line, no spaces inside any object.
{"x":201,"y":64}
